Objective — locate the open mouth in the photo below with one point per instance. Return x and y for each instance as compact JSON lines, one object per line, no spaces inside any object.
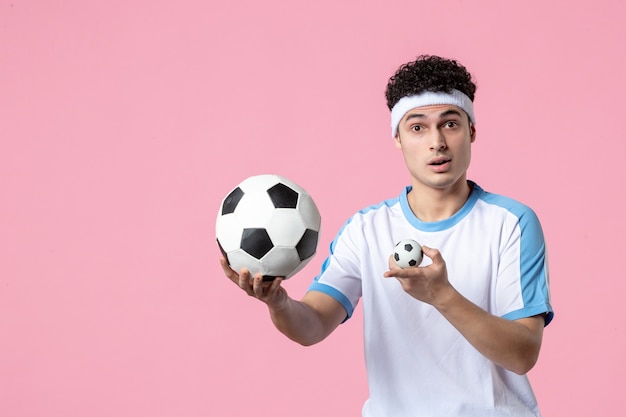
{"x":439,"y":161}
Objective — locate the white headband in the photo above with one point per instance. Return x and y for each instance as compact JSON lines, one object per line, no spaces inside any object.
{"x":430,"y":98}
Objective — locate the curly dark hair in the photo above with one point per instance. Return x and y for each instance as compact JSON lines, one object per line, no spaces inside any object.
{"x":429,"y":73}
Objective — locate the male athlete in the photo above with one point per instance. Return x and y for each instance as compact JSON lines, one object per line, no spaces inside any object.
{"x":456,"y":335}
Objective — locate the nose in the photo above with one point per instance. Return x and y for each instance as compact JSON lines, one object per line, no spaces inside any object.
{"x":438,"y":141}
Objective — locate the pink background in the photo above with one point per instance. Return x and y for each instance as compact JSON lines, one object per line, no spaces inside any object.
{"x":124,"y":123}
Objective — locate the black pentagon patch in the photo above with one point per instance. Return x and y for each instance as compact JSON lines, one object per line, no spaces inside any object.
{"x":307,"y":244}
{"x":268,"y":278}
{"x":412,"y":262}
{"x":408,"y":247}
{"x":231,"y":201}
{"x":256,"y":242}
{"x":283,"y":196}
{"x":396,"y":256}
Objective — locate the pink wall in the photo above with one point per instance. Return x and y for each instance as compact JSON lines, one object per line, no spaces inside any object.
{"x":123,"y":124}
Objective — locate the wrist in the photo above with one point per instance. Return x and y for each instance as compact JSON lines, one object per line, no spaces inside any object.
{"x":446,"y":298}
{"x":279,"y":306}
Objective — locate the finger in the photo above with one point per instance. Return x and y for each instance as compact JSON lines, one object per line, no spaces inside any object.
{"x":274,"y":286}
{"x":397,"y":272}
{"x":257,"y":285}
{"x":432,"y":253}
{"x":238,"y":279}
{"x":228,"y":271}
{"x":245,"y":279}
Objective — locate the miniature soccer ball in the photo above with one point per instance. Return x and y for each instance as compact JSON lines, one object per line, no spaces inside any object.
{"x":268,"y":224}
{"x":407,"y":253}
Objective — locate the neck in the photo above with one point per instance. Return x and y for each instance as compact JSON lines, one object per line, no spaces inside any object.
{"x":436,"y":204}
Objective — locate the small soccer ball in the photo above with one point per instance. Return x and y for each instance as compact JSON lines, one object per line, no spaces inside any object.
{"x":268,"y":224}
{"x":407,"y":253}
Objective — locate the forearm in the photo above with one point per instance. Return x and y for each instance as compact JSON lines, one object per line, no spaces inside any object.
{"x":298,"y":322}
{"x":308,"y":321}
{"x":513,"y":345}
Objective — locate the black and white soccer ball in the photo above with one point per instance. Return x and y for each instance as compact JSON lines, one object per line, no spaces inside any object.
{"x":407,"y":253}
{"x":268,"y":224}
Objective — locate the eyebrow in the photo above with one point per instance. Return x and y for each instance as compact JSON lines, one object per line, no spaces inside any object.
{"x":448,"y":112}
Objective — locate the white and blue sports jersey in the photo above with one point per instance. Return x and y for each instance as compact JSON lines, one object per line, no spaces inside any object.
{"x":418,"y":364}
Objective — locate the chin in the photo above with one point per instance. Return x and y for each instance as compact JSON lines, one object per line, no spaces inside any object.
{"x":446,"y":182}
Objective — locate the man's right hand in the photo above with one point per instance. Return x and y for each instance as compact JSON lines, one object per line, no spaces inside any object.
{"x":271,"y":293}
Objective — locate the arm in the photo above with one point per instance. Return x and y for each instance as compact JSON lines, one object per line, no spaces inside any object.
{"x":307,"y":321}
{"x":513,"y":345}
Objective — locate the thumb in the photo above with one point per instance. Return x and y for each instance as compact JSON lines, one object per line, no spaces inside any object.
{"x":432,"y":253}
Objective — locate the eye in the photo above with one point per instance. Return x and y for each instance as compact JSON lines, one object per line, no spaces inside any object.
{"x":450,"y":124}
{"x":416,"y":128}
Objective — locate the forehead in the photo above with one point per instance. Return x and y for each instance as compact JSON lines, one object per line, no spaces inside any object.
{"x":433,"y":111}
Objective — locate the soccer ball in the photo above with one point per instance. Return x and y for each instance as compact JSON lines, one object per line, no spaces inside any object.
{"x":407,"y":253}
{"x":268,"y":224}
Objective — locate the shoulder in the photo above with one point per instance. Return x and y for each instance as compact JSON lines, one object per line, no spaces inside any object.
{"x":381,"y":206}
{"x":380,"y":209}
{"x":375,"y":217}
{"x":498,"y":201}
{"x":515,"y":216}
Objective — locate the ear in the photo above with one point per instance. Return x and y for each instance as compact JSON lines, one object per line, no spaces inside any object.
{"x":472,"y":132}
{"x":397,"y":141}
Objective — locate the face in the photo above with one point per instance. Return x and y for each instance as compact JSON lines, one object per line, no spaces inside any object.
{"x":436,"y":144}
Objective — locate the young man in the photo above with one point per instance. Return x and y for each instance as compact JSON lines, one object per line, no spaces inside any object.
{"x":456,"y":335}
